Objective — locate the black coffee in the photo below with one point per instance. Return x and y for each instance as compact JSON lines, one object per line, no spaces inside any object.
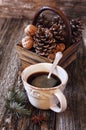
{"x":40,"y":79}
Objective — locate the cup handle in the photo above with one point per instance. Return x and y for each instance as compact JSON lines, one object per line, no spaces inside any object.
{"x":62,"y":100}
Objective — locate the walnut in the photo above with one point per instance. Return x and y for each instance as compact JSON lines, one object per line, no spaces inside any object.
{"x":27,"y":42}
{"x":30,"y":30}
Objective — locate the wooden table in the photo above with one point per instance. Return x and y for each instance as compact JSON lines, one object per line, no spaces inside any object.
{"x":74,"y":118}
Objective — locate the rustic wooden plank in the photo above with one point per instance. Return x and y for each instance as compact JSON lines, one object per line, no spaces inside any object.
{"x":9,"y":75}
{"x":69,"y":60}
{"x":69,"y":52}
{"x":19,"y":9}
{"x":75,"y":115}
{"x":9,"y":30}
{"x":27,"y":8}
{"x":24,"y":53}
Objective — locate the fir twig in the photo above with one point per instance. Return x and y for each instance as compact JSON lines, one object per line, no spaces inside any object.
{"x":16,"y":102}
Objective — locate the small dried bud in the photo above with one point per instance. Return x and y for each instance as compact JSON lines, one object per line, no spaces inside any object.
{"x":51,"y":56}
{"x":30,"y":30}
{"x":27,"y":42}
{"x":60,"y":47}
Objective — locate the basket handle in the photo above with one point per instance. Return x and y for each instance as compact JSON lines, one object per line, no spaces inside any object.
{"x":61,"y":14}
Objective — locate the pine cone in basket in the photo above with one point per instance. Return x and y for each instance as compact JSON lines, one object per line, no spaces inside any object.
{"x":58,"y":33}
{"x":56,"y":26}
{"x":50,"y":35}
{"x":76,"y":27}
{"x":58,"y":29}
{"x":44,"y":42}
{"x":44,"y":21}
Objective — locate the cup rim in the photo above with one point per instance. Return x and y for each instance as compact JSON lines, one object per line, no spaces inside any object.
{"x":37,"y":88}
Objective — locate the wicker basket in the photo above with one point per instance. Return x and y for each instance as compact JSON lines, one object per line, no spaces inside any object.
{"x":28,"y":57}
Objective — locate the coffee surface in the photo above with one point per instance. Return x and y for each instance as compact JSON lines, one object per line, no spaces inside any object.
{"x":40,"y":79}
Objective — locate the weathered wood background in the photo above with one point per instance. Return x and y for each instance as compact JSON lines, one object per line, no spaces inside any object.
{"x":11,"y":32}
{"x":27,"y":8}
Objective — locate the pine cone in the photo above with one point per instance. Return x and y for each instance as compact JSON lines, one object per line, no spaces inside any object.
{"x":44,"y":42}
{"x":44,"y":21}
{"x":57,"y":20}
{"x":76,"y":27}
{"x":56,"y":26}
{"x":58,"y":33}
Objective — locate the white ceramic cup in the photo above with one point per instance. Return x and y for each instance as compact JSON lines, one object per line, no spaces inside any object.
{"x":46,"y":98}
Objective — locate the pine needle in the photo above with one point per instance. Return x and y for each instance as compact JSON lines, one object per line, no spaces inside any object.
{"x":16,"y":102}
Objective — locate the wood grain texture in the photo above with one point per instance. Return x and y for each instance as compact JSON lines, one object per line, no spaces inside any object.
{"x":27,"y":8}
{"x":8,"y":57}
{"x":28,"y":57}
{"x":74,"y":117}
{"x":22,"y":8}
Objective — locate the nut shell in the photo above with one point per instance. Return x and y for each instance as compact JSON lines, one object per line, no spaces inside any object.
{"x":60,"y":47}
{"x":27,"y":42}
{"x":30,"y":30}
{"x":51,"y":56}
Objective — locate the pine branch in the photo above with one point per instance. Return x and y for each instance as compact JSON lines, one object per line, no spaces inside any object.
{"x":16,"y":102}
